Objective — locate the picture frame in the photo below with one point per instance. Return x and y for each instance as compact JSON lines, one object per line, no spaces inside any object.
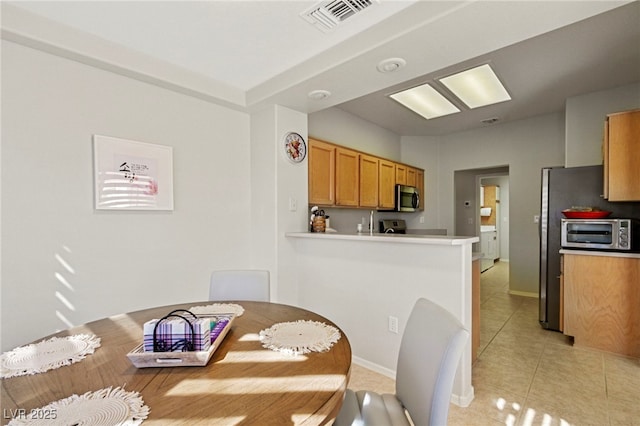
{"x":132,"y":175}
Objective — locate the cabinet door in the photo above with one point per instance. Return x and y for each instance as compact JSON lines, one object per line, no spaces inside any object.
{"x":420,"y":186}
{"x":387,"y":184}
{"x":368,"y":181}
{"x":623,"y":156}
{"x":401,"y":174}
{"x":321,"y":172}
{"x":411,"y":176}
{"x":347,"y":177}
{"x":601,"y":299}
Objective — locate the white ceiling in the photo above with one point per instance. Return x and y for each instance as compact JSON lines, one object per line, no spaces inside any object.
{"x":246,"y":54}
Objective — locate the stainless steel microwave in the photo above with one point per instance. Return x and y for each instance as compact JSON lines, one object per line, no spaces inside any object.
{"x":600,"y":234}
{"x":407,"y":199}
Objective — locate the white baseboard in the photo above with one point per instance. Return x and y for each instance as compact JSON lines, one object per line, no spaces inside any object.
{"x":465,"y":400}
{"x":461,"y":401}
{"x":374,"y":367}
{"x":523,"y":293}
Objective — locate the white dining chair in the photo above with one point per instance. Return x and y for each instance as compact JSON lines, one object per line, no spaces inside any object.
{"x":249,"y":284}
{"x":431,"y":347}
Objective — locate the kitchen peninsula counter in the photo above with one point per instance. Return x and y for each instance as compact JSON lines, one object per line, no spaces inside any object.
{"x":367,"y":282}
{"x":389,"y":237}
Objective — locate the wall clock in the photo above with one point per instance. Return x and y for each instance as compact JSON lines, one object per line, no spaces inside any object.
{"x":295,"y":147}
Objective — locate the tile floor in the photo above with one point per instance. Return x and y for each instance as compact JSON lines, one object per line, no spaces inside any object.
{"x":525,"y":375}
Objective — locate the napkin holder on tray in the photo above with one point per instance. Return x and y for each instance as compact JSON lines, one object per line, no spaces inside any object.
{"x":171,"y":340}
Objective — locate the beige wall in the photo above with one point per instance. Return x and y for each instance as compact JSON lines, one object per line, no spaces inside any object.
{"x":55,"y":245}
{"x":585,"y":115}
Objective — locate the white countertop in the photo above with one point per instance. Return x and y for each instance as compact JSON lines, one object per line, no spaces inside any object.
{"x":600,"y":253}
{"x":387,"y":238}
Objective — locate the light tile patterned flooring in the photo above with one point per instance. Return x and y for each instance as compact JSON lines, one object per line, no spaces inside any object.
{"x":529,"y":376}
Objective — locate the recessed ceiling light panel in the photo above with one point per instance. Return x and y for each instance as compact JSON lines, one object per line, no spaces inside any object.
{"x":477,"y":87}
{"x":426,"y":101}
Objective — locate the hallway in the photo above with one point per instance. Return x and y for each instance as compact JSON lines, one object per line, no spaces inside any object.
{"x":526,"y":375}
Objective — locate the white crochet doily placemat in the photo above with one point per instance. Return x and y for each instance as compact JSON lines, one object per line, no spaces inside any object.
{"x":46,"y":355}
{"x":300,"y":337}
{"x":218,"y":308}
{"x":103,"y":407}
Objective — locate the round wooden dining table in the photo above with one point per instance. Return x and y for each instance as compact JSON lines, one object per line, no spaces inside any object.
{"x":242,"y":384}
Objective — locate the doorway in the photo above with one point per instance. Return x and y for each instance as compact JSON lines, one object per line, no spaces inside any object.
{"x":494,"y":219}
{"x":468,"y":202}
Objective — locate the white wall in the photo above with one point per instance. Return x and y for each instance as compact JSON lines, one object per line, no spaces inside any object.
{"x":291,"y":183}
{"x":116,"y":261}
{"x":343,"y":128}
{"x":359,"y":283}
{"x":423,"y":152}
{"x":585,"y":116}
{"x":525,"y":146}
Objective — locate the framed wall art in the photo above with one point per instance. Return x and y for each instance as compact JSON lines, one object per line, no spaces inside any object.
{"x":130,"y":175}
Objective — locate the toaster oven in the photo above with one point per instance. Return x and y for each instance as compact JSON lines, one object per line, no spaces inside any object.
{"x":600,"y":234}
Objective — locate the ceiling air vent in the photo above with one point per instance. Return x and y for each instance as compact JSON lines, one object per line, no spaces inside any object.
{"x":327,"y":15}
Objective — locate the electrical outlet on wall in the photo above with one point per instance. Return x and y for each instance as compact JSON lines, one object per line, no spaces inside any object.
{"x":393,"y":324}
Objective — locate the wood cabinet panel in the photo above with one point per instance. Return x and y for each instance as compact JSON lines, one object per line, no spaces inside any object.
{"x":601,"y":300}
{"x":622,"y":156}
{"x":387,"y":184}
{"x":401,"y":174}
{"x":347,"y":177}
{"x":420,"y":186}
{"x":411,"y":176}
{"x":344,"y":177}
{"x":321,"y":172}
{"x":369,"y":177}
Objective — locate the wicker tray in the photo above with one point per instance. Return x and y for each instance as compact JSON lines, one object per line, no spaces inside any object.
{"x":142,"y":359}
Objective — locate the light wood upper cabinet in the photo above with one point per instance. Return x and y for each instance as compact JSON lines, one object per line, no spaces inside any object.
{"x":387,"y":184}
{"x":322,"y":160}
{"x":411,"y":176}
{"x":622,"y":156}
{"x":347,"y":177}
{"x":420,"y":186}
{"x":401,"y":174}
{"x":369,"y":176}
{"x":344,"y":177}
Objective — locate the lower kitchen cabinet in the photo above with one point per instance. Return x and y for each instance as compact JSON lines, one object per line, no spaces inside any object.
{"x":602,"y":302}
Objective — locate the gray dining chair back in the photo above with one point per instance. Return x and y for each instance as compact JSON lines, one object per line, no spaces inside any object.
{"x":247,"y":284}
{"x":431,"y":348}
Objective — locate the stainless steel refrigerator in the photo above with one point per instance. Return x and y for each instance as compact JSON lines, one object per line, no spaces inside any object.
{"x":563,"y":188}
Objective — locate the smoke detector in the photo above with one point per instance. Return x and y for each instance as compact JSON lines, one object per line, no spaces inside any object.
{"x":327,"y":15}
{"x":318,"y":95}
